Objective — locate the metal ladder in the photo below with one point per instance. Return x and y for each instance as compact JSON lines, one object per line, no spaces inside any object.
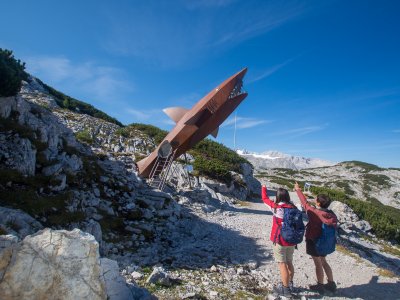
{"x":159,"y":172}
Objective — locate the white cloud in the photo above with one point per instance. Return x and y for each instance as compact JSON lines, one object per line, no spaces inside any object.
{"x":244,"y":123}
{"x":296,"y":132}
{"x":268,"y":72}
{"x":140,"y":115}
{"x":100,"y":82}
{"x":153,"y":116}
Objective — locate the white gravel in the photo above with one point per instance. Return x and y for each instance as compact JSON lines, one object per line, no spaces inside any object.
{"x":356,"y":277}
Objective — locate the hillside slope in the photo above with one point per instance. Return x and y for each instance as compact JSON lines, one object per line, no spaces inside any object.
{"x":357,"y":179}
{"x":63,"y":169}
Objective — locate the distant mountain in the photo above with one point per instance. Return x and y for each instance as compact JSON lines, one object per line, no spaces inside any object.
{"x":275,"y":159}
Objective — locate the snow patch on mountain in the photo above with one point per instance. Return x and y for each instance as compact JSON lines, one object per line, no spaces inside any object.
{"x":275,"y":159}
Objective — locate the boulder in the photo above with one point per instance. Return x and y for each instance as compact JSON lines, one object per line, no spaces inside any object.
{"x":117,"y":289}
{"x":160,"y":276}
{"x":348,"y":220}
{"x":17,"y":153}
{"x":62,"y":264}
{"x":17,"y":222}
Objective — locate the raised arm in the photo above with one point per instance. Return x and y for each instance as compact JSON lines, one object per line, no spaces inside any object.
{"x":303,"y":200}
{"x":265,"y":198}
{"x":325,"y":217}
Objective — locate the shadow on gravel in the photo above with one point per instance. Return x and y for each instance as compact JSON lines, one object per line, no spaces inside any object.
{"x":249,"y":211}
{"x":364,"y":291}
{"x":194,"y":243}
{"x":378,"y":259}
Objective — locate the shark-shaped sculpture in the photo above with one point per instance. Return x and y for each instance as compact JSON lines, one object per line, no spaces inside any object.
{"x":193,"y":125}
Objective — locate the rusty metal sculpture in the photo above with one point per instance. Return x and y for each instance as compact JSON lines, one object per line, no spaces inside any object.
{"x":195,"y":124}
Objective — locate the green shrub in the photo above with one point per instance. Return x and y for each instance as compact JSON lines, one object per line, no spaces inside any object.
{"x":84,"y":136}
{"x":377,"y":179}
{"x":366,"y":166}
{"x":384,"y":219}
{"x":152,"y":131}
{"x":78,"y":106}
{"x":212,"y":159}
{"x":345,"y":186}
{"x":215,"y":160}
{"x":11,"y":73}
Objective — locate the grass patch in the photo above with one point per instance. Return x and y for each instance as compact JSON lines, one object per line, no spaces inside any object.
{"x":386,"y":273}
{"x":348,"y":252}
{"x":52,"y":207}
{"x":84,"y":136}
{"x":243,"y":203}
{"x":2,"y":231}
{"x":393,"y":250}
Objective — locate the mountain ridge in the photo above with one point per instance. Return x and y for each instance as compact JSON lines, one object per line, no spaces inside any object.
{"x":275,"y":159}
{"x":53,"y":177}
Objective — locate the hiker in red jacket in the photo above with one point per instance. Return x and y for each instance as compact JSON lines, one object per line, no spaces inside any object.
{"x":283,"y":251}
{"x":318,"y":215}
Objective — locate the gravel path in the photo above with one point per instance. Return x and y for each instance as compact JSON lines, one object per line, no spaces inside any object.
{"x":355,"y":277}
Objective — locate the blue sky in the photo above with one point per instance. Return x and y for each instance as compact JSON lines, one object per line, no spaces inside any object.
{"x":323,"y":78}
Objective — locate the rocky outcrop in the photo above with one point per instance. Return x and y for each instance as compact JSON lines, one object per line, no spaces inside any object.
{"x":356,"y":179}
{"x":53,"y":264}
{"x":17,"y":222}
{"x":348,"y":220}
{"x":17,"y":153}
{"x":275,"y":159}
{"x":60,"y":265}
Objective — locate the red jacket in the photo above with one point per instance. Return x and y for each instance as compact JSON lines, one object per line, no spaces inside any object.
{"x":316,"y":217}
{"x":277,"y":210}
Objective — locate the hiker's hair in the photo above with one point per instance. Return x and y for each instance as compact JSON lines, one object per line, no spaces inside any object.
{"x":282,"y":195}
{"x":323,"y":200}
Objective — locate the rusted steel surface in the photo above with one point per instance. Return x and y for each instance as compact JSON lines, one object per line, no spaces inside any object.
{"x":203,"y":119}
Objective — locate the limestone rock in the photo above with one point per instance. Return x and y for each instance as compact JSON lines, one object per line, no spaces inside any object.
{"x":17,"y":222}
{"x":159,"y":276}
{"x":348,"y":219}
{"x":17,"y":153}
{"x":117,"y":289}
{"x":62,"y":264}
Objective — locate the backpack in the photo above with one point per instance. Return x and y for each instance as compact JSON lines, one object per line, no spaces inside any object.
{"x":326,"y":243}
{"x":292,"y":230}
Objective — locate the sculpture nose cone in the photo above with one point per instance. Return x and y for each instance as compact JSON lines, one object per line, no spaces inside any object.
{"x":241,"y":73}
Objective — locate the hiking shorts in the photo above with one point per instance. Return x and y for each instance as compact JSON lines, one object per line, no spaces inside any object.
{"x":283,"y":253}
{"x":311,"y":249}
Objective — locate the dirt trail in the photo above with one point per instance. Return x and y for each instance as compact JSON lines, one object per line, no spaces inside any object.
{"x":355,"y":277}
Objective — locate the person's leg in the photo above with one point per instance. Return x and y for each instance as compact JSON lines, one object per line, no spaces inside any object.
{"x":289,"y":261}
{"x":290,"y":270}
{"x":327,"y":269}
{"x":331,"y":285}
{"x":281,"y":258}
{"x":285,"y":277}
{"x":319,"y":271}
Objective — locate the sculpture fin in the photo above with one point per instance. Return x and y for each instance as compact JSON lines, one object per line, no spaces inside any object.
{"x":175,"y":113}
{"x":215,"y":132}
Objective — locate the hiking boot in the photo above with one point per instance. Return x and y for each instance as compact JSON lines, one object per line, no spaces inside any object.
{"x":330,"y":286}
{"x":283,"y":291}
{"x":292,"y":288}
{"x":319,"y":287}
